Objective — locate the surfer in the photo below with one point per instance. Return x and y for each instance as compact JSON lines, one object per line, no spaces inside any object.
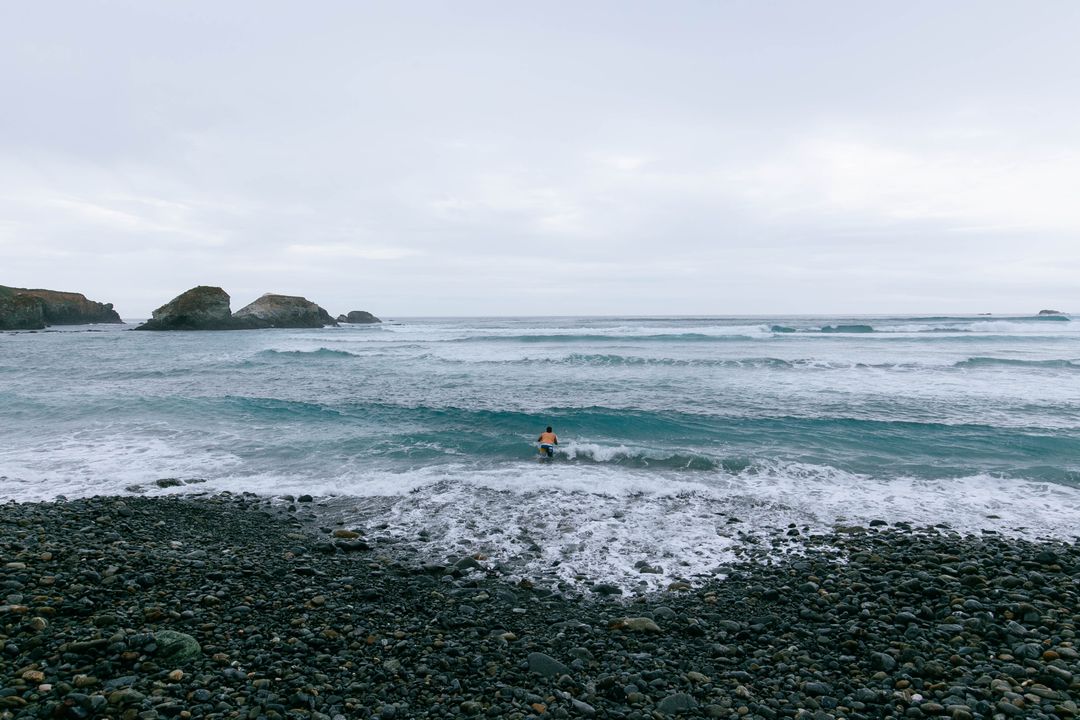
{"x":548,"y":440}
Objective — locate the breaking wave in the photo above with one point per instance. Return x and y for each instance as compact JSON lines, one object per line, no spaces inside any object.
{"x":992,"y":362}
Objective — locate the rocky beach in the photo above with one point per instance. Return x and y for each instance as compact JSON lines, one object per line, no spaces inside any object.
{"x":516,"y":361}
{"x":243,"y":606}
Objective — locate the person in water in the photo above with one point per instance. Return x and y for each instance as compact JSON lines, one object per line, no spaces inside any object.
{"x":548,"y":440}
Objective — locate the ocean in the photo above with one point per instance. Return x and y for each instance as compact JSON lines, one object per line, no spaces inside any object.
{"x":683,"y":440}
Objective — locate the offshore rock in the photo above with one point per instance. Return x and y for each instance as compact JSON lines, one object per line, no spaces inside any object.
{"x":33,"y":309}
{"x":200,"y":308}
{"x":358,"y":317}
{"x":1051,"y":312}
{"x":283,"y":311}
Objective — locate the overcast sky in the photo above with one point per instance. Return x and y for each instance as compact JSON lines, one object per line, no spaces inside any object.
{"x":476,"y":158}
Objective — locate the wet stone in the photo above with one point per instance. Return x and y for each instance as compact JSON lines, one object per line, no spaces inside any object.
{"x":546,"y":665}
{"x":898,"y":622}
{"x":677,"y":703}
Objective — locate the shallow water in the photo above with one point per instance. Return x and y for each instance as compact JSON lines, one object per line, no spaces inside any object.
{"x":679,"y":436}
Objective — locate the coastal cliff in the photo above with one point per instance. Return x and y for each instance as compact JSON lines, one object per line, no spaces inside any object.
{"x":21,"y":312}
{"x":33,"y":309}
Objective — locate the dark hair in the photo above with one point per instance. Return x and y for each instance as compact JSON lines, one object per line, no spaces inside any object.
{"x":549,"y":429}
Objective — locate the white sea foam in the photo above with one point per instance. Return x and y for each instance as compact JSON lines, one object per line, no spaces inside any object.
{"x":565,"y":520}
{"x":84,"y":466}
{"x":595,"y":451}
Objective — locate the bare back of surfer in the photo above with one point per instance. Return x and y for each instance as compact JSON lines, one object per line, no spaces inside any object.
{"x":548,"y":440}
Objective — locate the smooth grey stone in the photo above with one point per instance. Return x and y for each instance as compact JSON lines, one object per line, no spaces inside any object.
{"x":546,"y":665}
{"x":677,"y":703}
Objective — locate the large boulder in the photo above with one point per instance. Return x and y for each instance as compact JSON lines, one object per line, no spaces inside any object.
{"x":57,"y":308}
{"x":200,"y":308}
{"x":175,"y":647}
{"x":283,"y":311}
{"x":358,"y":317}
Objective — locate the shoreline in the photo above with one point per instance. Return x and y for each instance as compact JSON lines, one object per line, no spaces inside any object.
{"x":102,"y":596}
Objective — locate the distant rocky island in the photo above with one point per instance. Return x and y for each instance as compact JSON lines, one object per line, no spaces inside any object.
{"x":358,"y":317}
{"x":33,"y":309}
{"x":200,"y":308}
{"x":208,"y":308}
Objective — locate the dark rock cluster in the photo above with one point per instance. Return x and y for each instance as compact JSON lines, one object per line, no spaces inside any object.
{"x":30,"y":309}
{"x":358,"y":317}
{"x":208,"y":308}
{"x":200,"y":308}
{"x":237,"y":607}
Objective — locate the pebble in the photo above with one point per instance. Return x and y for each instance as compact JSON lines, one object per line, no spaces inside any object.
{"x":193,"y":608}
{"x":546,"y":665}
{"x":635,"y":624}
{"x":677,"y":703}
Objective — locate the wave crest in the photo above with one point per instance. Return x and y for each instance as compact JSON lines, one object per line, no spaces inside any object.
{"x":847,"y":329}
{"x":320,"y":353}
{"x":989,"y":362}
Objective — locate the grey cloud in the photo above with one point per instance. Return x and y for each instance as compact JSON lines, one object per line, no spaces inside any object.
{"x":477,"y":158}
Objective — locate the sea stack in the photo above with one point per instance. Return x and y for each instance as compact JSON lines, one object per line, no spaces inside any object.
{"x":33,"y":309}
{"x":358,"y":317}
{"x":200,"y":308}
{"x":283,"y":311}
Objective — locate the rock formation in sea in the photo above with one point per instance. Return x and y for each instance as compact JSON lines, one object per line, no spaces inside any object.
{"x":1051,"y":312}
{"x":283,"y":311}
{"x":33,"y":309}
{"x":207,"y":308}
{"x":358,"y":317}
{"x":200,"y":308}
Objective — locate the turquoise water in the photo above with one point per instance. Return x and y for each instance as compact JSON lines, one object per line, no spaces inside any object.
{"x":669,"y":427}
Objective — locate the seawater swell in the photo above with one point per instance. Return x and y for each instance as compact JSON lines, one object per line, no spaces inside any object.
{"x":773,"y":363}
{"x":992,"y":362}
{"x":398,"y":436}
{"x":608,"y":360}
{"x":327,"y":353}
{"x":619,"y":360}
{"x":620,"y":338}
{"x":595,"y":359}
